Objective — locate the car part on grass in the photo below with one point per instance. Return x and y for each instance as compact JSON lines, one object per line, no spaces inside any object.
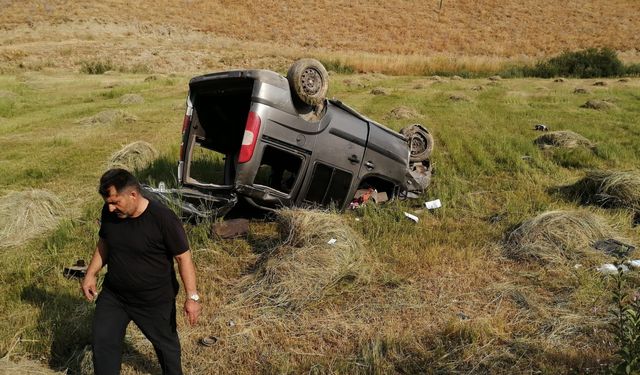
{"x":77,"y":271}
{"x":309,"y":80}
{"x":191,"y":204}
{"x":614,"y":247}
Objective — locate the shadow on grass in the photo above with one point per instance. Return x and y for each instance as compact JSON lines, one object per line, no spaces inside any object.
{"x":68,"y":319}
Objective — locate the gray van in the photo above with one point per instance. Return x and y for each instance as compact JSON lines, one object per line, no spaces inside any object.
{"x":274,"y":141}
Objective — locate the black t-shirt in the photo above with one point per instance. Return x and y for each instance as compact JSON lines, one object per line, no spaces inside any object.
{"x":140,"y":254}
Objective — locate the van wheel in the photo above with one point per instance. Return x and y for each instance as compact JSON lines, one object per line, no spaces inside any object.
{"x":420,"y":141}
{"x":309,"y":80}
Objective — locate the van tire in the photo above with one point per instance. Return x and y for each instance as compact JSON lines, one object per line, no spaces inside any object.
{"x":309,"y":81}
{"x":420,"y":142}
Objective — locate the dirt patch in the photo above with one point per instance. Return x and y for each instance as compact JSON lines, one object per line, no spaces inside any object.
{"x":134,"y":156}
{"x":559,"y":237}
{"x":108,"y":117}
{"x":600,"y":105}
{"x":403,"y":113}
{"x":128,"y":99}
{"x":562,"y":138}
{"x":27,"y":214}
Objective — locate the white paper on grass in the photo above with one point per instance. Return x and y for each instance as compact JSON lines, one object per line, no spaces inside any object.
{"x":412,"y":217}
{"x":332,"y":241}
{"x":432,"y":205}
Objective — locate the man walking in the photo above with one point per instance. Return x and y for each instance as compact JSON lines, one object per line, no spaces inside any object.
{"x":138,"y":241}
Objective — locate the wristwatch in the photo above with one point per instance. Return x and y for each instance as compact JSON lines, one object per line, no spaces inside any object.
{"x":195,"y":297}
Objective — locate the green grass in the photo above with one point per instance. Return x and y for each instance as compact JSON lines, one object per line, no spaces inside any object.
{"x":407,"y":316}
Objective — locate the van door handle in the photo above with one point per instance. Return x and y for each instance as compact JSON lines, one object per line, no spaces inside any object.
{"x":354,"y":159}
{"x":369,"y":165}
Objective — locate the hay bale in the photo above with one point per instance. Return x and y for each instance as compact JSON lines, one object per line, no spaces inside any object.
{"x":599,"y":105}
{"x":600,"y":83}
{"x":134,"y":156}
{"x":27,"y":214}
{"x":477,"y":88}
{"x":456,"y":78}
{"x":128,"y":99}
{"x":379,"y":91}
{"x":580,"y":90}
{"x":623,"y":80}
{"x":562,"y":138}
{"x":25,"y":366}
{"x":403,"y":113}
{"x":304,"y":267}
{"x":459,"y":98}
{"x":608,"y":189}
{"x":108,"y":117}
{"x":495,"y":78}
{"x":559,"y":80}
{"x":558,"y":237}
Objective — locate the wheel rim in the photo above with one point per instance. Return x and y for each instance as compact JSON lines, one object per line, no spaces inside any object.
{"x":419,"y":144}
{"x":311,"y":81}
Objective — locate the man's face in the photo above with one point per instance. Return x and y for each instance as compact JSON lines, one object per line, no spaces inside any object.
{"x":124,"y":204}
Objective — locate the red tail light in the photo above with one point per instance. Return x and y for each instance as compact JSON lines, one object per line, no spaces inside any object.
{"x":251,"y":131}
{"x":185,"y":124}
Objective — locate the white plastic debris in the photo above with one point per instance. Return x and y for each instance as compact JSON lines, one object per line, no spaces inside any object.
{"x":432,"y":205}
{"x":332,"y":241}
{"x":578,"y":265}
{"x":635,"y":263}
{"x":162,"y":187}
{"x":357,"y":219}
{"x":607,"y":269}
{"x":412,"y":217}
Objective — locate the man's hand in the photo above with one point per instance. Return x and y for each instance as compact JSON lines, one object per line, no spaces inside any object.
{"x":192,"y":310}
{"x":89,"y":287}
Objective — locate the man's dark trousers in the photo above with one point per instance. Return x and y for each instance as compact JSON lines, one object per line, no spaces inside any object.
{"x":157,"y":323}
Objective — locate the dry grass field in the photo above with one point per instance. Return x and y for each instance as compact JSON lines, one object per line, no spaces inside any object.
{"x":397,"y":37}
{"x":501,"y":279}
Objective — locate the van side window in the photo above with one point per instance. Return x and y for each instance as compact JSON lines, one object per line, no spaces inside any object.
{"x":328,"y":185}
{"x":279,"y":169}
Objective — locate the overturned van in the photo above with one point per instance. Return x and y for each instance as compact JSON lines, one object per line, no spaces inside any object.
{"x":274,"y":141}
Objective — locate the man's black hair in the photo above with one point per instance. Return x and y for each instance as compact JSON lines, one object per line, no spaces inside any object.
{"x":118,"y":178}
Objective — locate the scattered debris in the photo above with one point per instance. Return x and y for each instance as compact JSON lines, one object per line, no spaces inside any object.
{"x":134,"y":156}
{"x":432,"y":205}
{"x":541,"y":127}
{"x":77,"y":271}
{"x":108,"y":117}
{"x":362,"y":196}
{"x":614,"y":247}
{"x":131,"y":99}
{"x":332,"y":241}
{"x":27,"y":214}
{"x":208,"y":341}
{"x":232,"y":228}
{"x":412,"y":217}
{"x":562,"y":138}
{"x":598,"y":105}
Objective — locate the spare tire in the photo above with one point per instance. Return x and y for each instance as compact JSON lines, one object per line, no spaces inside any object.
{"x":420,"y":141}
{"x":309,"y":81}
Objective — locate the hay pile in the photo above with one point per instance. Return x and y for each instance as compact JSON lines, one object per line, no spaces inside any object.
{"x":403,"y":113}
{"x":301,"y":270}
{"x":459,"y":98}
{"x":379,"y":91}
{"x":25,"y":366}
{"x":108,"y":117}
{"x":134,"y":156}
{"x":558,"y":237}
{"x":27,"y":214}
{"x":608,"y":189}
{"x":562,"y":138}
{"x":128,"y":99}
{"x":600,"y":105}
